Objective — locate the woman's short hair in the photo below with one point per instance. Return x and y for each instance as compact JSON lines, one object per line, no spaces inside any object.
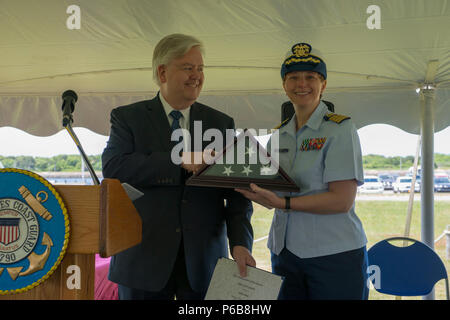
{"x":172,"y":47}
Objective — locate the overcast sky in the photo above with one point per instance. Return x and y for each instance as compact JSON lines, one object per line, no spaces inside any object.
{"x":375,"y":139}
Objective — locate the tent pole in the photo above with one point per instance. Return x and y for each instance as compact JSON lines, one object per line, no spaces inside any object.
{"x":427,"y":176}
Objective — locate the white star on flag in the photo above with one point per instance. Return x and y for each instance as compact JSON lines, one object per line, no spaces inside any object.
{"x":250,"y":151}
{"x":266,"y":170}
{"x":228,"y":171}
{"x":247,"y":170}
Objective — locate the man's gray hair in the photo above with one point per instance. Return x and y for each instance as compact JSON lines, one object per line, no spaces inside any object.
{"x":172,"y":47}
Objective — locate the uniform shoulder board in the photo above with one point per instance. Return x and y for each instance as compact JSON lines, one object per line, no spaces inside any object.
{"x":282,"y":124}
{"x":338,"y":118}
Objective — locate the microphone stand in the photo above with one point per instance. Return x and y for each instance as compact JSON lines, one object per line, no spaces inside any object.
{"x":69,"y":99}
{"x":69,"y":129}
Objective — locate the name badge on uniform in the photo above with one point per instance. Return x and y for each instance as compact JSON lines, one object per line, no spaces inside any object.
{"x":312,"y":144}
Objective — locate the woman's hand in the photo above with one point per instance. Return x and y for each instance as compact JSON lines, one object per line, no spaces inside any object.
{"x":339,"y":198}
{"x":262,"y":196}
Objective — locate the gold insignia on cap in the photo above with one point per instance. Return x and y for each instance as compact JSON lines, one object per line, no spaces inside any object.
{"x":301,"y":49}
{"x":294,"y":60}
{"x":302,"y":53}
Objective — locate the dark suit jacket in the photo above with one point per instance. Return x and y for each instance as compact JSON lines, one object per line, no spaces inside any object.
{"x":138,"y":152}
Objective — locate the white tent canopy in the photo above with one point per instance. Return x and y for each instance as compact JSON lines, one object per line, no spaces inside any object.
{"x":373,"y":74}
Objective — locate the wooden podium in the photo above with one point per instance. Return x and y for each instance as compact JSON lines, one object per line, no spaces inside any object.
{"x":102,"y":220}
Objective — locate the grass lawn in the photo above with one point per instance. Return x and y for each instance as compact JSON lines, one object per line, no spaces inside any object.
{"x":381,"y":219}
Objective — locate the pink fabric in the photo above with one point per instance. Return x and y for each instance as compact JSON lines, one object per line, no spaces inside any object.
{"x":104,"y":289}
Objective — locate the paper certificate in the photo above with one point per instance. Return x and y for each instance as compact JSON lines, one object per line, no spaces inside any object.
{"x":227,"y":284}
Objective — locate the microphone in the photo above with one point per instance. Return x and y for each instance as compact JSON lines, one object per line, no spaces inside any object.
{"x":69,"y":98}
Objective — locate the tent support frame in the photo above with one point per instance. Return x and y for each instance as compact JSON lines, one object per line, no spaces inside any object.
{"x":427,"y":175}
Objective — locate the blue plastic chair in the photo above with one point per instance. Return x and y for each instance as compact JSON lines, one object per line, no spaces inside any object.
{"x":412,"y":270}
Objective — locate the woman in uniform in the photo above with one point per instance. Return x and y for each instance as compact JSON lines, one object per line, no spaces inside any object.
{"x":316,"y":240}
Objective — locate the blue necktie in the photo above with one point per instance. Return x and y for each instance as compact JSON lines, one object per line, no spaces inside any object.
{"x":176,"y":115}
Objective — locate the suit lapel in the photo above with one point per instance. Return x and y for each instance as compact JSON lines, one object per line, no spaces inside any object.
{"x":160,"y":123}
{"x":196,"y":114}
{"x":161,"y":126}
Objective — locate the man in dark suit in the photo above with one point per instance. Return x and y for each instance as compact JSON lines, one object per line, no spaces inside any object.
{"x":185,"y":228}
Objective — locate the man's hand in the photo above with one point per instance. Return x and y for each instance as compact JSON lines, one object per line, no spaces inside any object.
{"x":194,"y":161}
{"x":243,"y":257}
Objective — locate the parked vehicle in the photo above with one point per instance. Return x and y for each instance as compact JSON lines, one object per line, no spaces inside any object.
{"x":387,"y":180}
{"x":411,"y":170}
{"x":441,"y":184}
{"x":440,"y":174}
{"x":372,"y":184}
{"x":403,"y":184}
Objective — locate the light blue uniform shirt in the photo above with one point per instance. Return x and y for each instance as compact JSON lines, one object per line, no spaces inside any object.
{"x":309,"y":235}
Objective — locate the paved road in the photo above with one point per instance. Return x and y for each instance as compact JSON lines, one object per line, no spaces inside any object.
{"x":391,"y":196}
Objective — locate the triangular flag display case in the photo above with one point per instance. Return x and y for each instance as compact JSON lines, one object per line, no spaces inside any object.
{"x":243,"y":162}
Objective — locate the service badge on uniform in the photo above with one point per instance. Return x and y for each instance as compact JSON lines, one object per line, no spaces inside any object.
{"x":34,"y":230}
{"x":312,"y":144}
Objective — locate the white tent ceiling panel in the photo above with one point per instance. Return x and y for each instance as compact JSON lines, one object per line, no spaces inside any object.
{"x":373,"y":74}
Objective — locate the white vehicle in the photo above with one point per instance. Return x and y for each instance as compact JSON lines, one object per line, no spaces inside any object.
{"x":403,"y":184}
{"x":372,"y":184}
{"x":411,"y":170}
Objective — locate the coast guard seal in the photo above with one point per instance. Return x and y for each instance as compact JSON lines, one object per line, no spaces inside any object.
{"x":34,"y":230}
